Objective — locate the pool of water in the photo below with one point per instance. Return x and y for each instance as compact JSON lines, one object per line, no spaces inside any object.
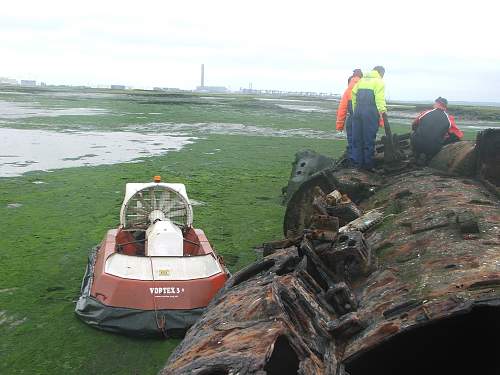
{"x":304,"y":108}
{"x":199,"y":129}
{"x":11,"y":110}
{"x":29,"y":150}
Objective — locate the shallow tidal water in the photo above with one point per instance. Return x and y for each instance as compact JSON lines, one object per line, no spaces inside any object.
{"x":25,"y":150}
{"x":12,"y":111}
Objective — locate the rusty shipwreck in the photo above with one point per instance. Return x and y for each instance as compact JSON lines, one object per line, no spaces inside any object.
{"x":389,"y":273}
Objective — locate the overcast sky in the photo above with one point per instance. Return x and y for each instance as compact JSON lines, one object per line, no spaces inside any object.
{"x":429,"y":48}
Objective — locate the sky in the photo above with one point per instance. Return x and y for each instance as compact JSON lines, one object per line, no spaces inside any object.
{"x":428,"y":48}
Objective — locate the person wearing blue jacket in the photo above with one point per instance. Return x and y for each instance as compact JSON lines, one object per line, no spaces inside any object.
{"x":368,"y":103}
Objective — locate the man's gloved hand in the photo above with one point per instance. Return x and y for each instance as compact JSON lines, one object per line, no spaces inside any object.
{"x":340,"y":134}
{"x":381,"y":119}
{"x":451,"y":139}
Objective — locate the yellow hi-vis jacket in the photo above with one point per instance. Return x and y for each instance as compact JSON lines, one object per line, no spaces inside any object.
{"x":372,"y":82}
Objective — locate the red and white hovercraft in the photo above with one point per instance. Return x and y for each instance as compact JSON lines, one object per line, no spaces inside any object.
{"x":155,"y":274}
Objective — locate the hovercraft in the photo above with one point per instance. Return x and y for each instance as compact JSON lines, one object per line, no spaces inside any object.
{"x":155,"y":274}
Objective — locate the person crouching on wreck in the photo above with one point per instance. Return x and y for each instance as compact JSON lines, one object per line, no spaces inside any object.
{"x":432,"y":129}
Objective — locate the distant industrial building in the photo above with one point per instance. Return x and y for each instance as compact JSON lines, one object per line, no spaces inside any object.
{"x":117,"y":87}
{"x":8,"y":81}
{"x":288,"y":93}
{"x":202,"y":75}
{"x":203,"y":88}
{"x":214,"y":89}
{"x":28,"y":82}
{"x":167,"y":89}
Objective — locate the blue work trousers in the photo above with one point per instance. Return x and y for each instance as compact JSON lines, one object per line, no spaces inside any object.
{"x":364,"y":132}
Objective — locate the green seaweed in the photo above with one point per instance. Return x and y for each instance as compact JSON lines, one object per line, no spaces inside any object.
{"x":45,"y":241}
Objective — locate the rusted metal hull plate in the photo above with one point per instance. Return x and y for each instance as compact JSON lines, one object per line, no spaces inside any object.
{"x":322,"y":303}
{"x":428,"y":268}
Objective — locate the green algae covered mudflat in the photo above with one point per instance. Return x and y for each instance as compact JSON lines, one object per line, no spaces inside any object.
{"x":237,"y":159}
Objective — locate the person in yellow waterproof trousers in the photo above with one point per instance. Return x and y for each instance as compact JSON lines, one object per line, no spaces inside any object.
{"x":368,"y":104}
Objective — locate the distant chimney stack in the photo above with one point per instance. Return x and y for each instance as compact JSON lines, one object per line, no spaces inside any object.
{"x":202,"y":75}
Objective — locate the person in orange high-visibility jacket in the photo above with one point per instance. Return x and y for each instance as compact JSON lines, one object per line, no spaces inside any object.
{"x":368,"y":105}
{"x":344,"y":111}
